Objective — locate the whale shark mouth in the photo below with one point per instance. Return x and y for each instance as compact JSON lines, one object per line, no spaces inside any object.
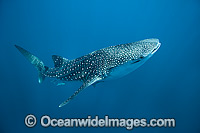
{"x":155,"y":49}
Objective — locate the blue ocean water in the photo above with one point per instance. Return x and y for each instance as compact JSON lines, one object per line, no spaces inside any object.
{"x":166,"y":86}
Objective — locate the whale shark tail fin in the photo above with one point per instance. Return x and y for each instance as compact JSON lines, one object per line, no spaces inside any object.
{"x":37,"y":63}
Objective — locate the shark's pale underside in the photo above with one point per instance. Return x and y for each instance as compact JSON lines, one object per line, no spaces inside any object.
{"x":101,"y":65}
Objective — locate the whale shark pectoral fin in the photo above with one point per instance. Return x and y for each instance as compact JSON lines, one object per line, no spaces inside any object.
{"x":85,"y":85}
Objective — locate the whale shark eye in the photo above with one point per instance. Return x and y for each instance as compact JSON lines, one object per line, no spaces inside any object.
{"x":141,"y":57}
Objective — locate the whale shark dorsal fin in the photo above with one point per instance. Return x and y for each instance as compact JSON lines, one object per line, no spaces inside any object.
{"x":86,"y":84}
{"x":59,"y":61}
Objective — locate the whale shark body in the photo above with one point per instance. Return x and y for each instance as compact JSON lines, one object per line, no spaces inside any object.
{"x":101,"y":65}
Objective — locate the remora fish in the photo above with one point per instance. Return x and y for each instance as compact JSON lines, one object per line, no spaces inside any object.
{"x":101,"y":65}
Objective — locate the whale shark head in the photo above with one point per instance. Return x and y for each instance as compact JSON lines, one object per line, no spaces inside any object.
{"x":145,"y":49}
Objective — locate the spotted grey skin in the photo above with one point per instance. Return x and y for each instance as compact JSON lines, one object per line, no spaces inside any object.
{"x":101,"y":65}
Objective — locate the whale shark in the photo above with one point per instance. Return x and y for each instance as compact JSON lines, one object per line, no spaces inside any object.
{"x":101,"y":65}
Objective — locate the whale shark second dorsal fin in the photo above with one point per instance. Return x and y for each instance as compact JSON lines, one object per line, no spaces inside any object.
{"x":59,"y":61}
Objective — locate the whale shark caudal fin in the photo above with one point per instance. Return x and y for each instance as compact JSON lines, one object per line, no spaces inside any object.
{"x":86,"y":84}
{"x":39,"y":65}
